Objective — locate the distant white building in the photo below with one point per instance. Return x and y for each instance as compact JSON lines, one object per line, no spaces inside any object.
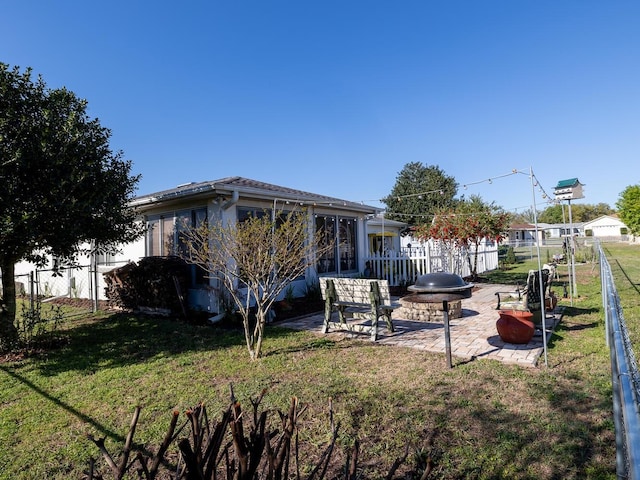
{"x":522,"y":234}
{"x":608,"y":227}
{"x":559,"y":230}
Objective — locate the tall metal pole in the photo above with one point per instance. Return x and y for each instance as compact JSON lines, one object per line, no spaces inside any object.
{"x":573,"y":256}
{"x":94,"y":264}
{"x":567,"y":250}
{"x":447,"y":332}
{"x":541,"y":285}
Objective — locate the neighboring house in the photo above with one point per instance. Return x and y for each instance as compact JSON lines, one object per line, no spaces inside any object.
{"x":522,"y":234}
{"x":234,"y":198}
{"x":559,"y":230}
{"x":384,"y":234}
{"x":608,"y":227}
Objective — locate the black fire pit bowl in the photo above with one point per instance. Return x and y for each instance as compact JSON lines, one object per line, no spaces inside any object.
{"x":441,"y":286}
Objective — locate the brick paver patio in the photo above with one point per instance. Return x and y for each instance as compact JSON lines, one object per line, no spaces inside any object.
{"x":473,"y":336}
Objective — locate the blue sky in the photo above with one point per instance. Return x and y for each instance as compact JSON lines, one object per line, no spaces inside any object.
{"x":335,"y":97}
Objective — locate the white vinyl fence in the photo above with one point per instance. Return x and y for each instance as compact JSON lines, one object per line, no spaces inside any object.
{"x":402,"y":268}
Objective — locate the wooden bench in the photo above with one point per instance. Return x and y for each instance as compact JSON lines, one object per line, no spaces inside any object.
{"x":357,"y":298}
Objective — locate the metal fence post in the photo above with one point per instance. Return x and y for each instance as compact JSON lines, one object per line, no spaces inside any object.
{"x":32,"y":285}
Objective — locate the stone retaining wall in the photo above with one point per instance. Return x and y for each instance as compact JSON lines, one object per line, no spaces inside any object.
{"x":427,"y":312}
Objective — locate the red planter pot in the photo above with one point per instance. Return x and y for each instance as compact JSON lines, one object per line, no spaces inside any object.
{"x":515,"y":326}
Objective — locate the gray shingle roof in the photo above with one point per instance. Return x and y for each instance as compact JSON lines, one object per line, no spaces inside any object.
{"x":248,"y":188}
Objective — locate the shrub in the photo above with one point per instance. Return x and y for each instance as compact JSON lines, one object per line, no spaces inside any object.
{"x":34,"y":324}
{"x":510,"y":257}
{"x":312,"y":290}
{"x":154,"y":282}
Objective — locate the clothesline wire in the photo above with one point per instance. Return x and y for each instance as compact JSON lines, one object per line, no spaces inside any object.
{"x":468,"y":184}
{"x":536,"y":183}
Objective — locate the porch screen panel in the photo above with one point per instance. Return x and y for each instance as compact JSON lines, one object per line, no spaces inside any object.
{"x":183,"y":224}
{"x":200,"y":216}
{"x":327,"y":228}
{"x":167,"y":232}
{"x":163,"y":234}
{"x":185,"y":220}
{"x":153,"y":238}
{"x":244,"y":213}
{"x":347,"y":245}
{"x":281,"y":217}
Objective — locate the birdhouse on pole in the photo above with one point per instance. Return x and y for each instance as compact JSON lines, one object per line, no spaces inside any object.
{"x":568,"y":189}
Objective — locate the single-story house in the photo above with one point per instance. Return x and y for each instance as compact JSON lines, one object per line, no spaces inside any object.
{"x":358,"y":229}
{"x":559,"y":230}
{"x":522,"y":234}
{"x":353,"y":225}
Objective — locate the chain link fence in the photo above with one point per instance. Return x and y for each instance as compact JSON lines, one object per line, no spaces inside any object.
{"x":81,"y":286}
{"x":625,"y":378}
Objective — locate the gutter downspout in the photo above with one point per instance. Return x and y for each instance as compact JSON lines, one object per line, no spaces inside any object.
{"x":232,"y":201}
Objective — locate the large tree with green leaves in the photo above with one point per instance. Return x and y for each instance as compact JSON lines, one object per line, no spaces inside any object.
{"x":629,"y":208}
{"x":580,"y":212}
{"x":419,"y":191}
{"x":61,"y":186}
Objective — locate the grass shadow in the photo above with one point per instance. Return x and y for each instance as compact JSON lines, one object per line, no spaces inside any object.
{"x":503,"y":277}
{"x":516,"y":432}
{"x":99,"y":427}
{"x":124,"y":339}
{"x":312,"y":345}
{"x":627,"y":277}
{"x":577,"y":312}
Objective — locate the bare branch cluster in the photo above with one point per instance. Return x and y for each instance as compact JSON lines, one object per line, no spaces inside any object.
{"x":255,"y":260}
{"x":237,"y":446}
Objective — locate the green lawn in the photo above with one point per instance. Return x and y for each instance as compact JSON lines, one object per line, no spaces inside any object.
{"x":480,"y":419}
{"x":625,"y":266}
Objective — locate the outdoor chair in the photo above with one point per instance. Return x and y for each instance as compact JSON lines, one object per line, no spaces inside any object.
{"x":530,"y":297}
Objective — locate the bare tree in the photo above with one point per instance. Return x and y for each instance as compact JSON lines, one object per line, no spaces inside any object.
{"x":255,"y":260}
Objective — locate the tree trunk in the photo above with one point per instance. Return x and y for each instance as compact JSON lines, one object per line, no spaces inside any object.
{"x":248,"y":336}
{"x":474,"y":270}
{"x":8,"y":330}
{"x":261,"y":320}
